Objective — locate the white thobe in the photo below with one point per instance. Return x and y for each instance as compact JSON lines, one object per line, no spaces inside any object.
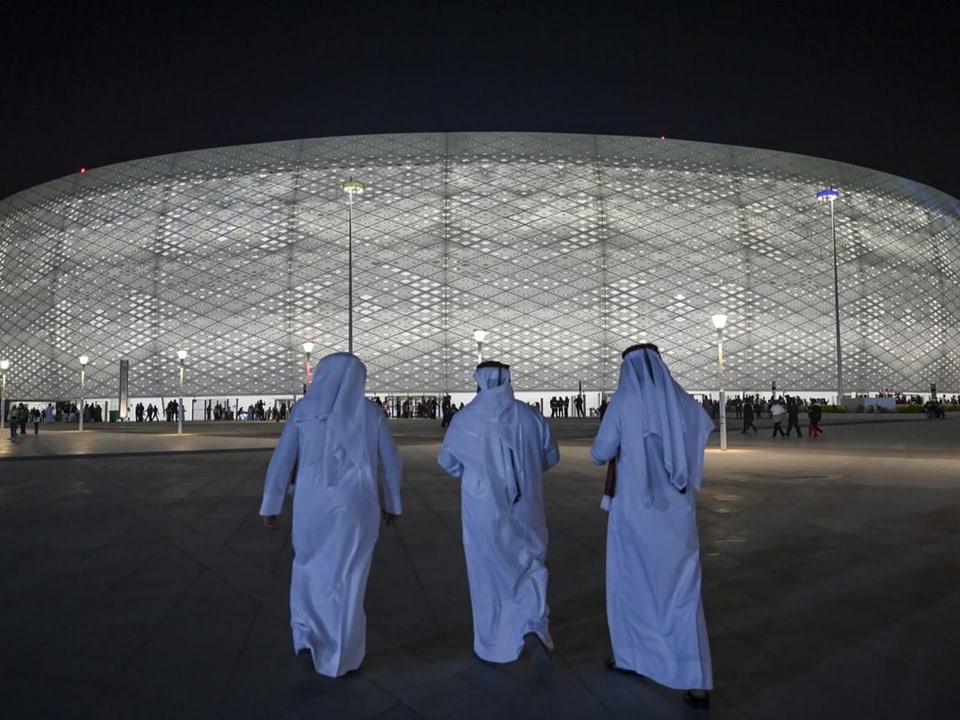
{"x":654,"y":606}
{"x":499,"y":447}
{"x":336,"y":522}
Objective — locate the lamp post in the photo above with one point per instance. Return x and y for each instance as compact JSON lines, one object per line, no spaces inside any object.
{"x":181,"y":355}
{"x":83,"y":380}
{"x":479,"y":336}
{"x":719,"y":322}
{"x":4,"y":366}
{"x":307,"y":348}
{"x":351,"y":187}
{"x":831,"y":194}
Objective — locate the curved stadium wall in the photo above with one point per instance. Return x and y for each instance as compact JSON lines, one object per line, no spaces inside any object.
{"x":564,"y":248}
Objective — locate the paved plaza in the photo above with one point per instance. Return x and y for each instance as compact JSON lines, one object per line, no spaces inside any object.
{"x":138,"y":582}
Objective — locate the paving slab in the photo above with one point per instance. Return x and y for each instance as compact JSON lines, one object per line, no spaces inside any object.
{"x":136,"y":580}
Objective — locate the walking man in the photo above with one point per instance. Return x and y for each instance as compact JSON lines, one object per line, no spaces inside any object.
{"x":813,"y":417}
{"x":499,"y":447}
{"x":656,"y":434}
{"x":776,"y":413}
{"x":793,"y":416}
{"x":748,"y":417}
{"x":331,"y":447}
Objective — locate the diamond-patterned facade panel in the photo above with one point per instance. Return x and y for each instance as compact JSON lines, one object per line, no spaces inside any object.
{"x":564,"y":248}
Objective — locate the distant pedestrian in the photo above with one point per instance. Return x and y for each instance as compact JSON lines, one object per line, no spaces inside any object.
{"x":793,"y":416}
{"x":777,"y":411}
{"x":748,"y":417}
{"x":813,"y":418}
{"x":35,"y":416}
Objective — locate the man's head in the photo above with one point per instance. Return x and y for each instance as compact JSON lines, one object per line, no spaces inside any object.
{"x":640,"y":346}
{"x":490,"y":374}
{"x":639,"y":361}
{"x":338,"y":370}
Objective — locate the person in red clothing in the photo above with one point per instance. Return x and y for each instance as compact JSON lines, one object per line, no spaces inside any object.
{"x":813,"y":418}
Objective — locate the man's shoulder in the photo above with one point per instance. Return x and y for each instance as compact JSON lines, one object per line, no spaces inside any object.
{"x":531,"y":414}
{"x":523,"y":407}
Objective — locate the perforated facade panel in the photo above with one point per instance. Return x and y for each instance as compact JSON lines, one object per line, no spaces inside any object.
{"x":564,"y":248}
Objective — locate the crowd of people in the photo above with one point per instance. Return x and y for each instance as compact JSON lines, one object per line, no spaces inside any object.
{"x":18,"y":415}
{"x":779,"y":408}
{"x":560,"y":406}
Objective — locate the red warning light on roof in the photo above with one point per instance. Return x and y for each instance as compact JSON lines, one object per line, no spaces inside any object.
{"x":663,"y":137}
{"x":83,"y":170}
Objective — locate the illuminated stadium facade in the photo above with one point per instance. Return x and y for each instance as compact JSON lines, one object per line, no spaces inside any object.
{"x":564,"y":248}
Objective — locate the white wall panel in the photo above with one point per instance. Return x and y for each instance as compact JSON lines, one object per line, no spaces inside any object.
{"x":564,"y":248}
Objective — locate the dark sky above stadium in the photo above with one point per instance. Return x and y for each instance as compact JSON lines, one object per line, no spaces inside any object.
{"x":94,"y":82}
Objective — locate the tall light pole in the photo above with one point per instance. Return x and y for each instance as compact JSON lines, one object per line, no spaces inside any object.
{"x":479,"y":336}
{"x":719,"y":322}
{"x":831,"y":194}
{"x":181,"y":355}
{"x":83,"y":380}
{"x":307,"y":348}
{"x":4,"y":366}
{"x":351,"y":187}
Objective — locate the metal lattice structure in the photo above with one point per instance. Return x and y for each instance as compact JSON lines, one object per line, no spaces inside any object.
{"x":564,"y":248}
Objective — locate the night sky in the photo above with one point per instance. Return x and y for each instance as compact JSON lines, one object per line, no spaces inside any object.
{"x":94,"y":83}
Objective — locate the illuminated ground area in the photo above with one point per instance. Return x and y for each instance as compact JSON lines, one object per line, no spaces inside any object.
{"x":143,"y":585}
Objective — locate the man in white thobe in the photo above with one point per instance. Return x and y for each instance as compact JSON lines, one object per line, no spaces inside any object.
{"x":499,"y":447}
{"x":656,"y":432}
{"x":331,"y":447}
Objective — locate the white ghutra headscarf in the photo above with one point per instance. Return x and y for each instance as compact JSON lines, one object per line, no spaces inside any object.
{"x":494,"y":403}
{"x":652,"y":403}
{"x":336,"y":395}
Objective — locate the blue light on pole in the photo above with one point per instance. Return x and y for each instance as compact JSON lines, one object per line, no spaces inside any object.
{"x":830,"y":195}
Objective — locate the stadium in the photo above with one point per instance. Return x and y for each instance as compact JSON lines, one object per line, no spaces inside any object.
{"x":564,"y":249}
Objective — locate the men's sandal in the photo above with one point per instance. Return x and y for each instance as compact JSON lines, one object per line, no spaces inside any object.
{"x":306,"y":660}
{"x":697,"y":702}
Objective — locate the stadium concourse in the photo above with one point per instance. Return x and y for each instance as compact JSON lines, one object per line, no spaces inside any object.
{"x":138,"y":581}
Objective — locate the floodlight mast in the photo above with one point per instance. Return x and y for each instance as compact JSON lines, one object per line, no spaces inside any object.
{"x":830,"y":195}
{"x":351,"y":187}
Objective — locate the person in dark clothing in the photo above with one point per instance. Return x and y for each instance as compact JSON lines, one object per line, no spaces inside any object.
{"x":813,"y":418}
{"x":748,"y":417}
{"x":22,"y":415}
{"x":446,"y":411}
{"x":793,"y":416}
